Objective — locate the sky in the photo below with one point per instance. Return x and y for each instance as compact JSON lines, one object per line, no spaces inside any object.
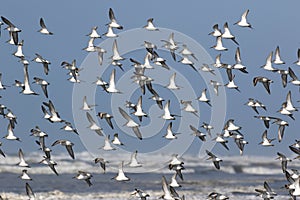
{"x":273,"y":24}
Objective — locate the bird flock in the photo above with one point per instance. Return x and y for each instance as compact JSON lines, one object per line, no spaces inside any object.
{"x":134,"y":114}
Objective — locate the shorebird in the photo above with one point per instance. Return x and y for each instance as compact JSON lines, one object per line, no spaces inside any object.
{"x":289,"y":105}
{"x":121,"y":175}
{"x":29,"y":192}
{"x":169,"y":134}
{"x":10,"y":134}
{"x":254,"y":104}
{"x":240,"y":142}
{"x":186,"y":61}
{"x":110,"y":33}
{"x":131,"y":124}
{"x":19,"y":52}
{"x":216,"y":31}
{"x":298,"y":56}
{"x":54,"y":117}
{"x":174,"y":182}
{"x":26,"y":89}
{"x":214,"y":158}
{"x":116,"y":140}
{"x":116,"y":55}
{"x":51,"y":163}
{"x":171,"y":45}
{"x":86,"y":106}
{"x":243,"y":21}
{"x":113,"y":22}
{"x":22,"y":162}
{"x":219,"y":45}
{"x":265,"y":81}
{"x":86,"y":176}
{"x":2,"y":87}
{"x":102,"y":163}
{"x":231,"y":84}
{"x":207,"y":127}
{"x":94,"y":33}
{"x":112,"y":86}
{"x":44,"y":29}
{"x":198,"y":133}
{"x":265,"y":140}
{"x":107,"y":118}
{"x":107,"y":146}
{"x":216,"y":86}
{"x":266,"y":193}
{"x":140,"y":194}
{"x":277,"y":59}
{"x":281,"y":127}
{"x":265,"y":119}
{"x":268,"y":66}
{"x":284,"y":160}
{"x":295,"y":80}
{"x":220,"y":139}
{"x":203,"y":97}
{"x":68,"y":144}
{"x":133,"y":160}
{"x":218,"y":63}
{"x":188,"y":107}
{"x":1,"y":152}
{"x":167,"y":115}
{"x":161,"y":62}
{"x":169,"y":191}
{"x":227,"y":34}
{"x":139,"y":110}
{"x":206,"y":68}
{"x":186,"y":52}
{"x":172,"y":85}
{"x":155,"y":96}
{"x":13,"y":30}
{"x":25,"y":176}
{"x":150,"y":26}
{"x":43,"y":83}
{"x":93,"y":126}
{"x":238,"y":62}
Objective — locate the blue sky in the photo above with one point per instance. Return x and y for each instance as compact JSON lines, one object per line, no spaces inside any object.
{"x":274,"y":24}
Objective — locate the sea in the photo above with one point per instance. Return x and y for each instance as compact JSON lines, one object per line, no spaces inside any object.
{"x":238,"y":177}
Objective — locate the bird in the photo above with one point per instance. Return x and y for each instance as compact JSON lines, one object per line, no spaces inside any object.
{"x":203,"y":97}
{"x":44,"y":29}
{"x":12,"y":29}
{"x":231,"y":84}
{"x":102,"y":163}
{"x":186,"y":52}
{"x":107,"y":118}
{"x":68,"y":144}
{"x":188,"y":107}
{"x":298,"y":56}
{"x":168,"y":191}
{"x":167,"y":115}
{"x":29,"y":192}
{"x":86,"y":106}
{"x":54,"y":117}
{"x":172,"y":84}
{"x":216,"y":86}
{"x":26,"y":89}
{"x":2,"y":86}
{"x":265,"y":140}
{"x":218,"y":63}
{"x":220,"y":139}
{"x":19,"y":52}
{"x":169,"y":134}
{"x":113,"y":22}
{"x":116,"y":140}
{"x":93,"y":126}
{"x":214,"y":158}
{"x":268,"y":65}
{"x":205,"y":68}
{"x":198,"y":133}
{"x":94,"y":33}
{"x":174,"y":182}
{"x":277,"y":59}
{"x":207,"y":127}
{"x":281,"y":127}
{"x":25,"y":176}
{"x":22,"y":162}
{"x":1,"y":152}
{"x":51,"y":163}
{"x":43,"y":83}
{"x":131,"y":124}
{"x":171,"y":45}
{"x":254,"y":104}
{"x":238,"y":62}
{"x":289,"y":105}
{"x":110,"y":33}
{"x":267,"y":192}
{"x":243,"y":21}
{"x":284,"y":160}
{"x":284,"y":74}
{"x":219,"y":45}
{"x":150,"y":26}
{"x":121,"y":175}
{"x":107,"y":145}
{"x":10,"y":134}
{"x":186,"y":61}
{"x":265,"y":81}
{"x":139,"y":110}
{"x":116,"y":55}
{"x":140,"y":194}
{"x":227,"y":34}
{"x":216,"y":31}
{"x":266,"y":120}
{"x":295,"y":80}
{"x":216,"y":195}
{"x":133,"y":160}
{"x":86,"y":176}
{"x":112,"y":86}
